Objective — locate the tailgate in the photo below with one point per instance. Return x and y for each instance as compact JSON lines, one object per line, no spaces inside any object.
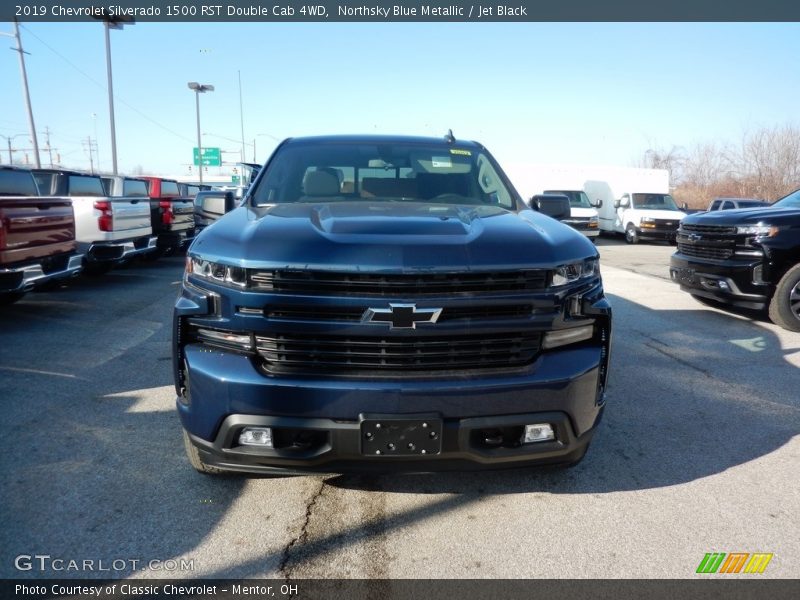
{"x":131,"y":213}
{"x":32,"y":228}
{"x":182,"y":214}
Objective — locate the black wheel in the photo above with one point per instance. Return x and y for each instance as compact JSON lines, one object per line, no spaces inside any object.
{"x":193,"y":454}
{"x":8,"y":298}
{"x":784,"y":308}
{"x":631,"y":235}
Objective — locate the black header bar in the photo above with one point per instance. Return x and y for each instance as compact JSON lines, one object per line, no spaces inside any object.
{"x":381,"y":11}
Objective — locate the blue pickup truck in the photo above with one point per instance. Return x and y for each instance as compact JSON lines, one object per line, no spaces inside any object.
{"x":388,"y":303}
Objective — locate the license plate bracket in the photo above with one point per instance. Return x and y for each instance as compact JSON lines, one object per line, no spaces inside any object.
{"x":392,"y":436}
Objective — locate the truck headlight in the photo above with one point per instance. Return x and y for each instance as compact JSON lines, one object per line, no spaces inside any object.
{"x":585,"y":269}
{"x":647,"y":220}
{"x":216,"y":272}
{"x":758,"y":230}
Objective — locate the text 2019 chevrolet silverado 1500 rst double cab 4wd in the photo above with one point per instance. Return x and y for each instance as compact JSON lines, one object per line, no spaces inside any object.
{"x":37,"y":236}
{"x":108,"y":229}
{"x":748,"y":258}
{"x":388,"y":303}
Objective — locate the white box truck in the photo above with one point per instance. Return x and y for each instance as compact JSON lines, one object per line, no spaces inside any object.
{"x":636,"y":203}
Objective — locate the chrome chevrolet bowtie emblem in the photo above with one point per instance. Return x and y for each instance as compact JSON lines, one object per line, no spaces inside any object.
{"x":693,"y":237}
{"x":401,"y":316}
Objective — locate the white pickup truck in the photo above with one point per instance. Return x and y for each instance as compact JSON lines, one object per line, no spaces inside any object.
{"x":108,"y":230}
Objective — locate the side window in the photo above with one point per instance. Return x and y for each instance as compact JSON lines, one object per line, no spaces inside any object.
{"x":715,"y":205}
{"x":727,"y":205}
{"x":134,"y":188}
{"x":491,"y":185}
{"x":80,"y":185}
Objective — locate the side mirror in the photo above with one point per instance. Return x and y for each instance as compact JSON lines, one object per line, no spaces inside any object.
{"x":623,"y":202}
{"x":555,"y":206}
{"x":616,"y":203}
{"x":684,"y":206}
{"x":598,"y":204}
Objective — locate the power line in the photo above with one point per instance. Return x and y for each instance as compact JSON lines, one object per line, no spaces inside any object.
{"x":104,"y":88}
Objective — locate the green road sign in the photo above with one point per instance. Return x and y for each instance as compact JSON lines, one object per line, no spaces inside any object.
{"x":212,"y":157}
{"x":235,"y":179}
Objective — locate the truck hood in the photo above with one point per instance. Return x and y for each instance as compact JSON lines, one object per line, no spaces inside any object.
{"x":392,"y":237}
{"x":746,"y":216}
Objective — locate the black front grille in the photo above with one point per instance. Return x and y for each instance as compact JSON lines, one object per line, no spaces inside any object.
{"x":324,"y":282}
{"x":395,"y":355}
{"x":666,"y":223}
{"x":710,"y":229}
{"x":699,"y":251}
{"x":349,"y":313}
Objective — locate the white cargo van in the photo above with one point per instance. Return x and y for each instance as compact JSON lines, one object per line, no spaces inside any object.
{"x":636,"y":204}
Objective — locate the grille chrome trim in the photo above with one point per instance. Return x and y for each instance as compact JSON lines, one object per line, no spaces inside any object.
{"x":371,"y":284}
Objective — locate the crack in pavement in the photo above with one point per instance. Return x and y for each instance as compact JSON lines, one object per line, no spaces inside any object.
{"x":302,"y":536}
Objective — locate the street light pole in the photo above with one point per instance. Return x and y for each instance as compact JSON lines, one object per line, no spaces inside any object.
{"x":109,"y":23}
{"x":199,"y":88}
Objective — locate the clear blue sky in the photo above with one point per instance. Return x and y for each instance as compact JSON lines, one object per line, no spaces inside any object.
{"x":585,"y":93}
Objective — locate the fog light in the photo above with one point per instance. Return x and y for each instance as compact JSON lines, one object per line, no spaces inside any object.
{"x":538,"y":432}
{"x":723,"y":285}
{"x":256,"y":436}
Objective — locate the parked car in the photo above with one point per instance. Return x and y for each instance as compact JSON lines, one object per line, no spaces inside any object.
{"x":734,"y":203}
{"x":748,"y":258}
{"x":37,"y":236}
{"x":108,"y":229}
{"x":210,"y":205}
{"x":388,"y":303}
{"x":583,"y":214}
{"x":172,"y":214}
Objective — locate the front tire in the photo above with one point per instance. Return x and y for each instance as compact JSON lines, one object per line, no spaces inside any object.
{"x":784,"y":308}
{"x":631,"y":235}
{"x":193,"y":454}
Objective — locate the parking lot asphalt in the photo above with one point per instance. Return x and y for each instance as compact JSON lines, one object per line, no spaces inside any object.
{"x":698,"y":452}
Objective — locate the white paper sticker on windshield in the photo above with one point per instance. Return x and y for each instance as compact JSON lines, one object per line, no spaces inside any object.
{"x":441,"y":162}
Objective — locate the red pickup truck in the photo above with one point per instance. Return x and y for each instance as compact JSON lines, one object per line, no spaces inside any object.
{"x":37,"y":236}
{"x":172,"y":215}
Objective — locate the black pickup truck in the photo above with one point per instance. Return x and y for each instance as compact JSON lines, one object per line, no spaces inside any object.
{"x":748,"y":258}
{"x":388,"y":303}
{"x":37,"y":236}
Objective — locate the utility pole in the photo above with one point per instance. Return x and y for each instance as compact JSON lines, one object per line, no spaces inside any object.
{"x":49,"y":149}
{"x":25,"y":91}
{"x":91,"y":154}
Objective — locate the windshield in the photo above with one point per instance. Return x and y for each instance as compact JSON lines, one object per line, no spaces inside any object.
{"x":577,"y":199}
{"x":383,"y":172}
{"x":654,"y":201}
{"x":790,"y":201}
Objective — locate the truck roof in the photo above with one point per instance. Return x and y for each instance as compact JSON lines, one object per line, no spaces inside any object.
{"x":377,"y":139}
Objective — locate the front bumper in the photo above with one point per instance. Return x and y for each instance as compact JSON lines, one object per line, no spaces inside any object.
{"x":226,"y":392}
{"x":666,"y":235}
{"x":731,"y":282}
{"x":338,"y":446}
{"x":27,"y":277}
{"x":118,"y":251}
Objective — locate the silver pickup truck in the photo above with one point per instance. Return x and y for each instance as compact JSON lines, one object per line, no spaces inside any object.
{"x":108,"y":229}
